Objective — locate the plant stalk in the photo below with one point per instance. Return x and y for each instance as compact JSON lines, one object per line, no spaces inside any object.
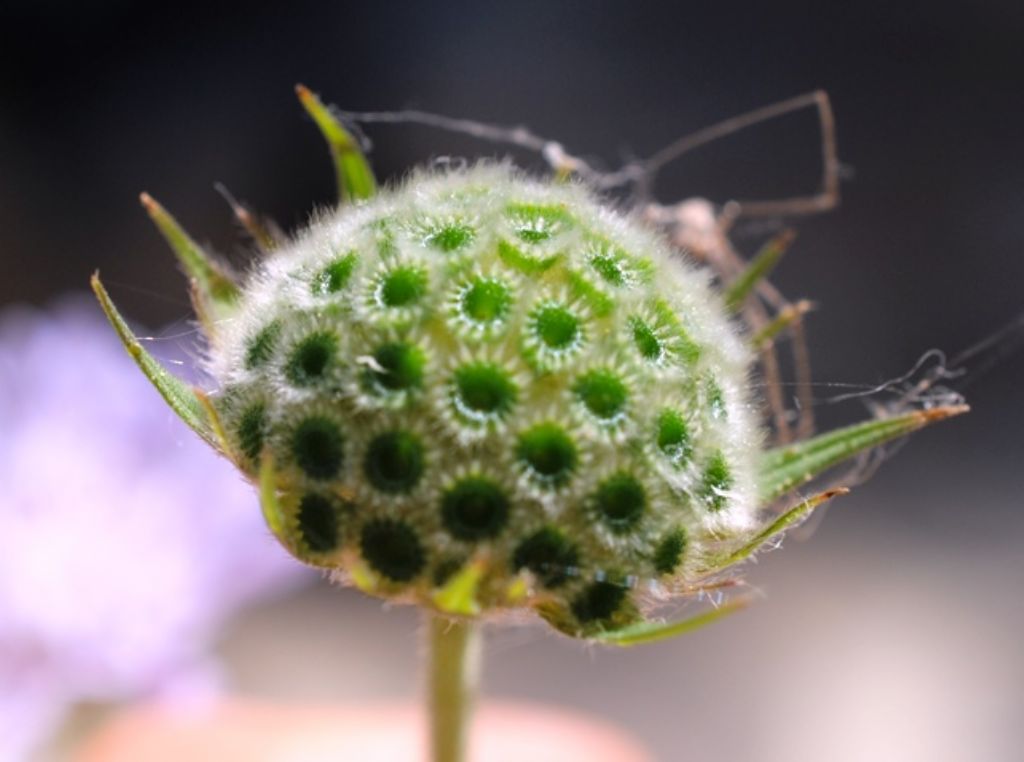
{"x":454,"y":654}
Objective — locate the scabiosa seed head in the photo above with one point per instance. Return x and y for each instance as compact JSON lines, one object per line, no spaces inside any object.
{"x":493,"y":444}
{"x":480,"y":390}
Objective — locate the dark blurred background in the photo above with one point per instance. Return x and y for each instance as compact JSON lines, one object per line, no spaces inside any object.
{"x":893,"y":628}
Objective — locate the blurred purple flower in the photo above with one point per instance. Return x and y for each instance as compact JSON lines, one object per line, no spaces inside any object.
{"x":120,"y":554}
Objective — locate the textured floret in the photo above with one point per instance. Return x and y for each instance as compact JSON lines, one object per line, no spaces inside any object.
{"x":480,"y":368}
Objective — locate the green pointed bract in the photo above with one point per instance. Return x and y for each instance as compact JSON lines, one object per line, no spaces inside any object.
{"x":786,"y":318}
{"x":273,"y":514}
{"x":758,"y":269}
{"x":459,"y":594}
{"x":786,"y":468}
{"x":652,"y":632}
{"x":264,"y":233}
{"x":215,"y":293}
{"x":787,"y":520}
{"x":355,"y":178}
{"x":181,"y":397}
{"x":216,"y":426}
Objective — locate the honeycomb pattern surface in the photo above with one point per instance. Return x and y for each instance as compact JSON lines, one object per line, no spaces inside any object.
{"x":480,"y":368}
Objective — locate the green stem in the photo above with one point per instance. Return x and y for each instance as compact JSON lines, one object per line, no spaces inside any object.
{"x":454,"y":671}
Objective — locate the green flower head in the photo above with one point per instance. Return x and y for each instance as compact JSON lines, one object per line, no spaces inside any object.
{"x":480,"y":391}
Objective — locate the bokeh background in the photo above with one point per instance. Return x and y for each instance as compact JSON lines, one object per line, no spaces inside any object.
{"x":894,"y":632}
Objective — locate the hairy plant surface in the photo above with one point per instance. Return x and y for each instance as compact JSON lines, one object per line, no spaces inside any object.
{"x":480,"y":391}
